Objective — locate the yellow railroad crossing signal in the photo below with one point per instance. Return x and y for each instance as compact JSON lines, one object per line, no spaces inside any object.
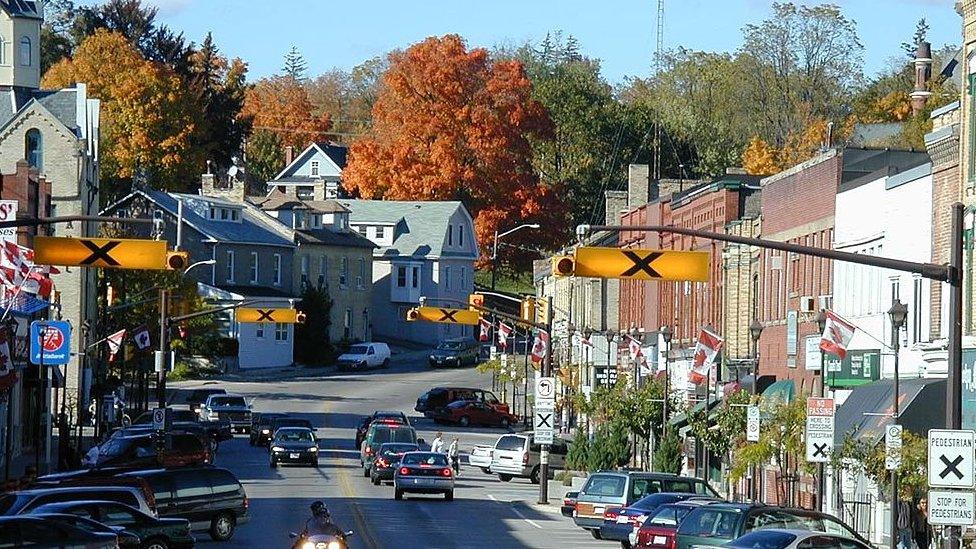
{"x":115,"y":253}
{"x":634,"y":264}
{"x":283,"y":316}
{"x":447,"y":316}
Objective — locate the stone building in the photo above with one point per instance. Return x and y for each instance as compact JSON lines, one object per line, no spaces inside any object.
{"x":942,"y":144}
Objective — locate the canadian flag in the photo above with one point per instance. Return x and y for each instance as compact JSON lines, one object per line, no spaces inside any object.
{"x":114,"y":343}
{"x":503,"y":333}
{"x":709,"y":344}
{"x":540,"y":346}
{"x":634,"y":346}
{"x":585,"y":341}
{"x":6,"y":365}
{"x":485,"y":329}
{"x":837,"y":334}
{"x":18,"y":270}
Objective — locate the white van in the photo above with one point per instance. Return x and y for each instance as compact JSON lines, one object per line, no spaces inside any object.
{"x":362,"y":356}
{"x":517,"y":455}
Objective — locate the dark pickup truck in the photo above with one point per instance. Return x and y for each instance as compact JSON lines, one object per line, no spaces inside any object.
{"x":230,"y":408}
{"x":218,"y":431}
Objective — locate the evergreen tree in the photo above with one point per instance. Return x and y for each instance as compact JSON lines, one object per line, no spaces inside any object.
{"x":312,"y":345}
{"x":219,"y":87}
{"x":668,"y":455}
{"x":921,"y":32}
{"x":264,"y":155}
{"x":295,"y":64}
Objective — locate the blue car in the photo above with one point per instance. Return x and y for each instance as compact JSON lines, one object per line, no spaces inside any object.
{"x":619,"y":523}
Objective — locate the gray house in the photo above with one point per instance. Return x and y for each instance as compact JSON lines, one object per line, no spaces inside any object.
{"x":423,"y":249}
{"x":315,"y":174}
{"x":253,"y":254}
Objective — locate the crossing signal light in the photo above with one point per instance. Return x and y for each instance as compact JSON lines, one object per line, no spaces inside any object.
{"x":528,"y":309}
{"x":300,"y":317}
{"x":476,"y":300}
{"x":413,"y":314}
{"x":109,"y":295}
{"x":563,"y":265}
{"x":177,"y":261}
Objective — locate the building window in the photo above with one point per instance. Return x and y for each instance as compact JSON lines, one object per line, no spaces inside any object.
{"x":416,"y":277}
{"x":323,"y":271}
{"x":361,"y":277}
{"x":343,"y":271}
{"x":447,"y":278}
{"x":34,"y":149}
{"x":380,"y":234}
{"x":234,"y":215}
{"x":401,"y":278}
{"x":277,"y":269}
{"x":25,"y":51}
{"x":460,"y":235}
{"x":254,"y":267}
{"x":365,"y":324}
{"x":281,"y":331}
{"x":362,"y":229}
{"x":917,"y":310}
{"x":347,"y":324}
{"x":3,"y":51}
{"x":258,"y":334}
{"x":450,"y":235}
{"x":304,"y":271}
{"x":315,"y":168}
{"x":230,"y":266}
{"x":461,"y":277}
{"x":224,"y":214}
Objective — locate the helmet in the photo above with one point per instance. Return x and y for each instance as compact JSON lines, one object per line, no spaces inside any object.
{"x":320,"y":510}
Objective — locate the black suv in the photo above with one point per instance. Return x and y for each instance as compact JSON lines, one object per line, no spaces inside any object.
{"x":211,"y":498}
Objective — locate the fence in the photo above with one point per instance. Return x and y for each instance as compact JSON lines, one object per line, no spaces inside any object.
{"x":857,"y":510}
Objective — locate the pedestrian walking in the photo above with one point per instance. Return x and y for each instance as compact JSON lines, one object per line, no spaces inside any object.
{"x":921,"y":530}
{"x":905,"y":537}
{"x":452,"y":454}
{"x":437,"y":445}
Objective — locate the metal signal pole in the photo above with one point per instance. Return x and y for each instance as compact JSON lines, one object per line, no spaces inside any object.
{"x":546,"y":372}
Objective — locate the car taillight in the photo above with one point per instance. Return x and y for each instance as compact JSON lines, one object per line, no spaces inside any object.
{"x":382,"y":462}
{"x":369,"y":451}
{"x":247,"y":502}
{"x":525,"y":459}
{"x":446,"y":472}
{"x":611,"y":513}
{"x":404,"y":471}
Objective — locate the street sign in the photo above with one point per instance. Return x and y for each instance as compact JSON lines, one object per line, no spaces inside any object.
{"x":892,"y":447}
{"x":951,"y":458}
{"x":443,"y":315}
{"x":952,"y":508}
{"x":820,"y":429}
{"x":159,"y":419}
{"x":283,"y":316}
{"x":56,"y":342}
{"x":752,"y":423}
{"x":641,"y":264}
{"x":544,"y":424}
{"x":545,"y":389}
{"x":115,"y":253}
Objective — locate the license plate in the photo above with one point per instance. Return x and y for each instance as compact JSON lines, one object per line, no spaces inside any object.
{"x":622,"y":519}
{"x":293,"y":456}
{"x":416,"y":481}
{"x":660,"y":540}
{"x":599,"y":510}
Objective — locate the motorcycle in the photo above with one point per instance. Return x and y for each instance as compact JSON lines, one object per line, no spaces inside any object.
{"x":319,"y":541}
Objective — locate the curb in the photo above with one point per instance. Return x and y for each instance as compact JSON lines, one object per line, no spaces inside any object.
{"x":547,"y":508}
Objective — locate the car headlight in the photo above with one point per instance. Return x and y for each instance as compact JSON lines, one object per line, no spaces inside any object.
{"x":313,"y":449}
{"x":265,"y":431}
{"x":334,"y":545}
{"x":277,"y":449}
{"x":450,"y":358}
{"x":308,"y":545}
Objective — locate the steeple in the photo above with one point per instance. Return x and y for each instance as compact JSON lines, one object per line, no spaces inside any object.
{"x":20,"y":43}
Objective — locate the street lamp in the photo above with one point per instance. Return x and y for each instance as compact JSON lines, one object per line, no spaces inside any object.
{"x":666,"y":335}
{"x":755,"y":332}
{"x":635,"y":334}
{"x":197,"y":264}
{"x":898,"y":313}
{"x":494,"y":249}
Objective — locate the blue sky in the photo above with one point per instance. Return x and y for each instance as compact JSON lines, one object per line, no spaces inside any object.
{"x":334,"y":33}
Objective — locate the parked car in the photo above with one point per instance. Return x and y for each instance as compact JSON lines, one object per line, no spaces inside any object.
{"x":658,"y":530}
{"x":211,"y":498}
{"x":294,"y":445}
{"x":622,"y":488}
{"x":383,"y":416}
{"x":423,"y":473}
{"x":261,"y":427}
{"x":198,"y":397}
{"x":474,"y":412}
{"x":455,"y":352}
{"x":720,"y":523}
{"x":517,"y":455}
{"x":25,"y":501}
{"x":30,"y":531}
{"x":362,"y":356}
{"x":434,"y":400}
{"x":569,"y":503}
{"x":227,"y":407}
{"x":620,"y":522}
{"x":127,"y":540}
{"x":378,"y":435}
{"x":480,"y":457}
{"x":207,"y":438}
{"x":776,"y":538}
{"x":388,"y":459}
{"x":219,"y":431}
{"x":142,"y":450}
{"x":154,"y":533}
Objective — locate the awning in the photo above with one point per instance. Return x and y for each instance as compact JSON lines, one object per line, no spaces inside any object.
{"x":867,"y":410}
{"x":681,"y":420}
{"x":779,"y":392}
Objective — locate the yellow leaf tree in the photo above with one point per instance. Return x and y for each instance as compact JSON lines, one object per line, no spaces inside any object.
{"x":147,"y":120}
{"x":759,"y":158}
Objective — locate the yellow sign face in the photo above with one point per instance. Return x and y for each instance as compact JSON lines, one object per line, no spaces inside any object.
{"x":448,"y":316}
{"x":283,"y":316}
{"x":641,"y":264}
{"x":113,"y":253}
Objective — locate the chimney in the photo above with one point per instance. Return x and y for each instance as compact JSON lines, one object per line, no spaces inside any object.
{"x":638,"y":185}
{"x":616,"y":203}
{"x":923,"y":73}
{"x":289,"y":155}
{"x":213,"y":187}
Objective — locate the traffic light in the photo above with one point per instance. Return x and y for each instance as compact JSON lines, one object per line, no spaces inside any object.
{"x":541,"y":309}
{"x":177,"y":261}
{"x":413,"y":314}
{"x":528,"y":309}
{"x":300,"y":317}
{"x":476,"y":300}
{"x":563,"y":265}
{"x":109,"y":295}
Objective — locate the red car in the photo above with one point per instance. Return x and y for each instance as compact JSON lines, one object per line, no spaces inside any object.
{"x":658,"y":531}
{"x":475,"y":412}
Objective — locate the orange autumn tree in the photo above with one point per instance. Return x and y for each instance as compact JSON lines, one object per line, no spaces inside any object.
{"x":148,"y":120}
{"x":451,"y":124}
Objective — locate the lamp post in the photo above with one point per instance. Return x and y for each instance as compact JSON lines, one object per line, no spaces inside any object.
{"x":635,"y":334}
{"x":666,"y":335}
{"x":821,"y":481}
{"x":494,"y":248}
{"x":898,"y":313}
{"x":755,"y":332}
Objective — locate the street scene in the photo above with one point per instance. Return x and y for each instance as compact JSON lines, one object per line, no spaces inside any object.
{"x":652,"y":274}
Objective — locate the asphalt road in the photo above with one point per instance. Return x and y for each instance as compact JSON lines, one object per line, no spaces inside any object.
{"x":484,"y":513}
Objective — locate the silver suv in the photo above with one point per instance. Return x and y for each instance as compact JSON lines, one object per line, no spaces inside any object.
{"x":517,"y":455}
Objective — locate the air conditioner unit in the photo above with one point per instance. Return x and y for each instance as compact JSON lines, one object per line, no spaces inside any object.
{"x":826,"y":302}
{"x":808,"y":304}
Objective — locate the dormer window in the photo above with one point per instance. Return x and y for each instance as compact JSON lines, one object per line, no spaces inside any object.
{"x":315,"y":168}
{"x":25,"y":51}
{"x":218,"y":213}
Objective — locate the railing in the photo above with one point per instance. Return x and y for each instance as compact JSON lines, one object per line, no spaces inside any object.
{"x":858,"y":512}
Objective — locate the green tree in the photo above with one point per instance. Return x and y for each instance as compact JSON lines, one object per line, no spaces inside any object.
{"x":867,"y":457}
{"x":780,"y":443}
{"x":295,"y":65}
{"x":264,"y":156}
{"x":577,"y":458}
{"x":610,"y":448}
{"x":218,"y":85}
{"x":921,"y":32}
{"x":312,"y":345}
{"x":669,"y":455}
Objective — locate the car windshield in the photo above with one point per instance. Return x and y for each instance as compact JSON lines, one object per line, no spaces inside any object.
{"x":424,"y":459}
{"x":391,"y":450}
{"x":713,"y":523}
{"x":228,"y":401}
{"x":510,"y":442}
{"x":667,"y":515}
{"x":764,"y":539}
{"x":294,"y":435}
{"x":356,"y":350}
{"x":605,"y":486}
{"x":653,"y":501}
{"x":450,"y":346}
{"x":114,"y":447}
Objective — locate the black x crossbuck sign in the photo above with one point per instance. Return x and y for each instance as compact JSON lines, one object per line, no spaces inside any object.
{"x":951,"y":467}
{"x":100,"y":253}
{"x":641,"y":264}
{"x":448,"y":315}
{"x":543,"y":420}
{"x":113,"y":253}
{"x":264,"y":315}
{"x":820,"y":450}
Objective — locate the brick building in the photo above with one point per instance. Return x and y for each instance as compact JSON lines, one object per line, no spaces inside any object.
{"x":942,"y":144}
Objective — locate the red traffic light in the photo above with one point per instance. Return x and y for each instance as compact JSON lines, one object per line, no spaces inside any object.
{"x":413,"y":314}
{"x":300,"y":317}
{"x":177,"y":261}
{"x":563,"y":266}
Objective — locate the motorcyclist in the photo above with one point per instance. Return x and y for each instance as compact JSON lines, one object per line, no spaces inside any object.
{"x":320,"y":523}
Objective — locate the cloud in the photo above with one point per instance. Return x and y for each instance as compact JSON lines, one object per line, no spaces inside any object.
{"x":169,"y":7}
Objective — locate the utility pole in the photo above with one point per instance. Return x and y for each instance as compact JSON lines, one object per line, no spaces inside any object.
{"x":546,"y":372}
{"x":161,"y":365}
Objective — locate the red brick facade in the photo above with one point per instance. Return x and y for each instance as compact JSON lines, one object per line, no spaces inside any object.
{"x":639,"y":305}
{"x":33,"y":195}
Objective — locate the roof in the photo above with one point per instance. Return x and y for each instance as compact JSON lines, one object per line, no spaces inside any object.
{"x":62,"y":104}
{"x":420,"y":228}
{"x":21,"y":8}
{"x":334,"y":151}
{"x":278,"y":200}
{"x":328,"y":237}
{"x":867,"y":410}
